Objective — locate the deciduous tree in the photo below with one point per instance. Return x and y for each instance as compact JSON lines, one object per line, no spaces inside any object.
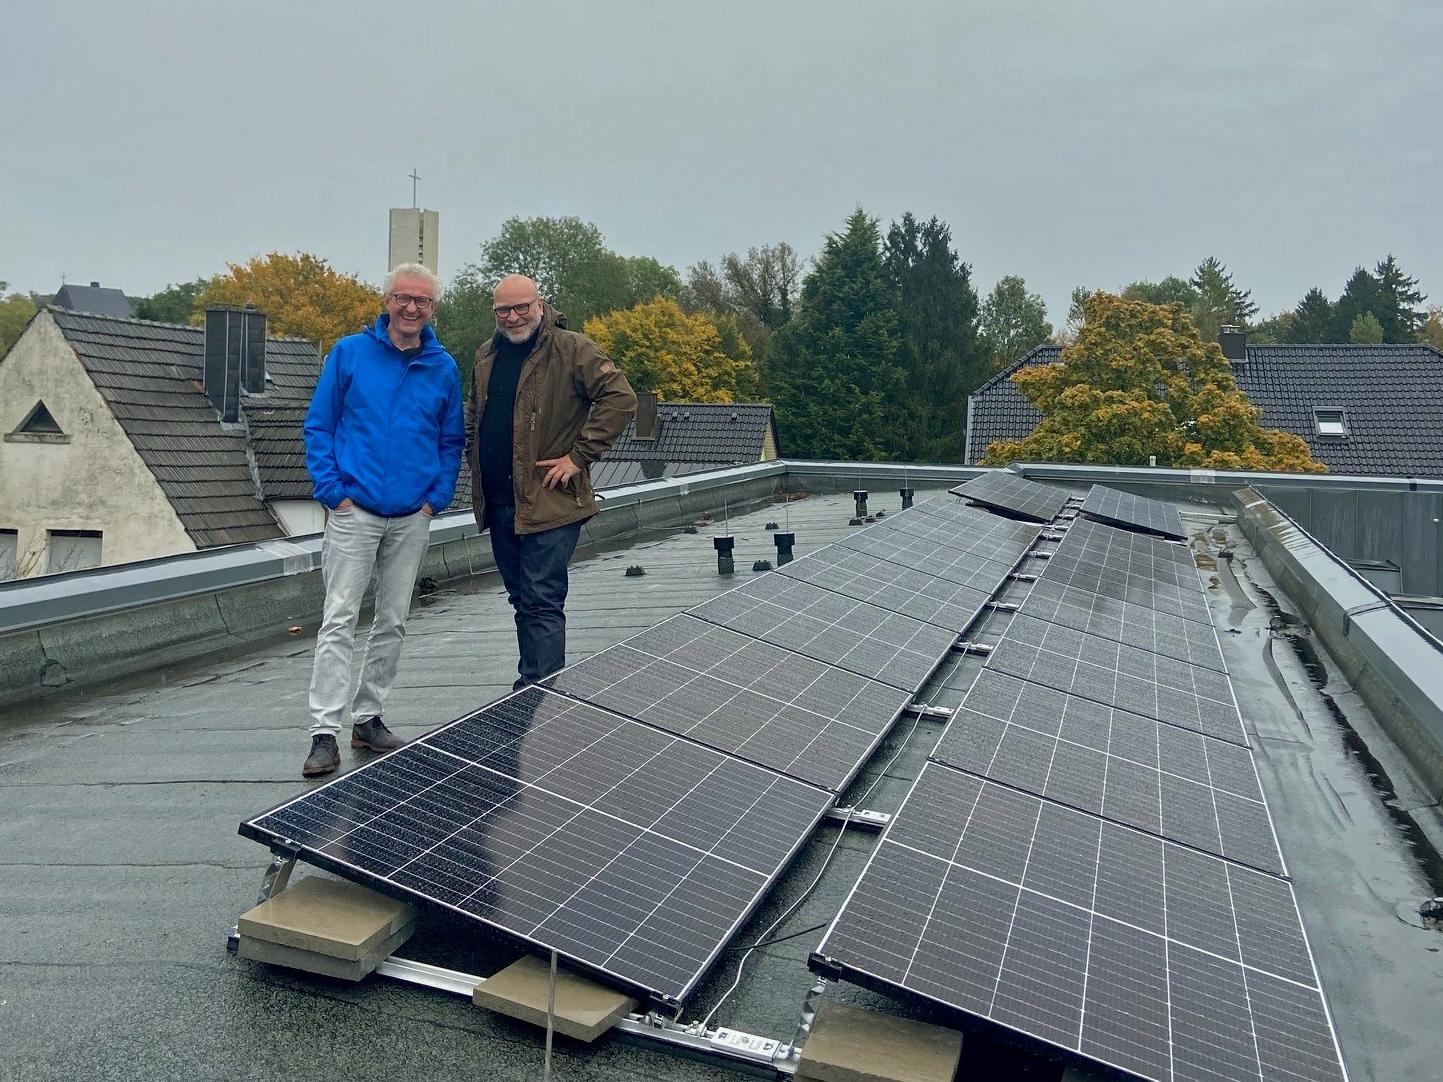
{"x":16,"y":311}
{"x":1139,"y":382}
{"x":1366,"y":331}
{"x":1013,"y":322}
{"x":300,"y":294}
{"x":679,"y":356}
{"x":173,"y":304}
{"x":832,"y":370}
{"x":1431,"y":333}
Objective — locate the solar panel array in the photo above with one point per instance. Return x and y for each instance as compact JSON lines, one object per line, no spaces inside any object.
{"x":632,"y":812}
{"x":1017,"y":495}
{"x":1087,"y":857}
{"x":1134,"y":512}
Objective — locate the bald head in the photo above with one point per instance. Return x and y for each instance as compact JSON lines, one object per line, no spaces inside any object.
{"x":516,"y":291}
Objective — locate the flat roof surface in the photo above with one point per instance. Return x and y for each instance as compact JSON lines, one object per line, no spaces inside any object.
{"x":123,"y":871}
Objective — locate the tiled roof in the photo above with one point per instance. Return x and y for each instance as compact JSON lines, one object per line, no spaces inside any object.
{"x":1392,"y":396}
{"x":699,"y":432}
{"x":97,"y":300}
{"x":150,"y":375}
{"x":615,"y":472}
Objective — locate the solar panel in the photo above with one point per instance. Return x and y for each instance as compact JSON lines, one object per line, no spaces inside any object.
{"x":1101,"y":541}
{"x":943,"y":560}
{"x":1008,"y":492}
{"x":1114,"y":674}
{"x":1133,"y":512}
{"x":1123,"y":948}
{"x":890,"y":586}
{"x":796,"y":715}
{"x":854,"y":635}
{"x":1133,"y":770}
{"x":990,"y":536}
{"x":1139,"y":577}
{"x":631,"y":852}
{"x":1136,"y":625}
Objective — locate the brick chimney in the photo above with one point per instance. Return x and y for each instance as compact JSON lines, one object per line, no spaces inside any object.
{"x":1234,"y":343}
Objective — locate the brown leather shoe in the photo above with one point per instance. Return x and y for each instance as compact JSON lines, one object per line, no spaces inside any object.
{"x":324,"y":757}
{"x":374,"y":735}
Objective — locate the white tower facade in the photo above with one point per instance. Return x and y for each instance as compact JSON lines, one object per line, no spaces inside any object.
{"x":414,"y":237}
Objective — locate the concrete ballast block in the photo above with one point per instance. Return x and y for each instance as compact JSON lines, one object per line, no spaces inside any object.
{"x":330,"y":917}
{"x":259,"y":950}
{"x":852,"y":1045}
{"x":584,"y":1010}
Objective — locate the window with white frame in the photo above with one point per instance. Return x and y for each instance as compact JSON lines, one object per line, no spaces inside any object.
{"x":1330,"y":421}
{"x":71,"y":550}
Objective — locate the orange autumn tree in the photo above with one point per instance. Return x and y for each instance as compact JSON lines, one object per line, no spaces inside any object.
{"x":300,"y":294}
{"x":692,"y":358}
{"x":1137,"y":382}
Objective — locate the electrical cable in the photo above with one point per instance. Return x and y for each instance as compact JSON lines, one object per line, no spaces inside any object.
{"x":841,"y":832}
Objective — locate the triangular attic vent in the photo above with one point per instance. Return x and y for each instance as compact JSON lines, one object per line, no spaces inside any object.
{"x":40,"y":422}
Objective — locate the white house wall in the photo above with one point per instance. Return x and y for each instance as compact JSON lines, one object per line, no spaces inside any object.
{"x":299,"y":517}
{"x":95,"y":481}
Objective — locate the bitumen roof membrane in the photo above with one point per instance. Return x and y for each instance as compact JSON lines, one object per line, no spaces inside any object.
{"x":121,"y":871}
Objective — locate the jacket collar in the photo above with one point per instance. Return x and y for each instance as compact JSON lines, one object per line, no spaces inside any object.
{"x":381,"y":331}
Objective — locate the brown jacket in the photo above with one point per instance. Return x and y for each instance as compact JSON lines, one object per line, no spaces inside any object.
{"x":571,"y":399}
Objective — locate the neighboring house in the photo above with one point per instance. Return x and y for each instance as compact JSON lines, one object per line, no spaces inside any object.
{"x":1364,"y":410}
{"x":96,"y":299}
{"x":667,"y":439}
{"x":123,"y":440}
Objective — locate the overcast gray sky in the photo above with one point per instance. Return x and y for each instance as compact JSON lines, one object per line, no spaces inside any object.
{"x":1068,"y":142}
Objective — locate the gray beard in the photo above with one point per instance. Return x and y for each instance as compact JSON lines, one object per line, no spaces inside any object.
{"x":520,"y":334}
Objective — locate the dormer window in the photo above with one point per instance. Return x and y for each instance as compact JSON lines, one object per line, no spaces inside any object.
{"x":39,"y":426}
{"x":1330,"y":421}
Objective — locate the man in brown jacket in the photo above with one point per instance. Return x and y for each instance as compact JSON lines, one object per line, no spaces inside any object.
{"x":546,"y":404}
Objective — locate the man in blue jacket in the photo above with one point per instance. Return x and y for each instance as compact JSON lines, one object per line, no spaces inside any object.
{"x":384,"y":436}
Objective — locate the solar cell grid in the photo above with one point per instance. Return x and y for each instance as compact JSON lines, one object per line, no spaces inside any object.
{"x":1136,"y":625}
{"x":1132,"y":511}
{"x":1137,"y":771}
{"x":1125,"y":948}
{"x":1115,"y":674}
{"x":1150,"y":586}
{"x":1007,"y":491}
{"x":854,"y":635}
{"x":890,"y":586}
{"x":1096,"y":538}
{"x":632,"y":852}
{"x":987,"y":535}
{"x":941,"y":560}
{"x":782,"y":710}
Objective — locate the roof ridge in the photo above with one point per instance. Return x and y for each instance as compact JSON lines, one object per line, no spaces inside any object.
{"x":1006,"y":372}
{"x":54,"y":308}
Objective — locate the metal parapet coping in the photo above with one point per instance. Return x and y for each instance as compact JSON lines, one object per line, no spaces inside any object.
{"x":1392,"y":660}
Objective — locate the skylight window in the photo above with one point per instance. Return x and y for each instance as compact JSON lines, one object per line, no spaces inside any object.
{"x":1330,"y":422}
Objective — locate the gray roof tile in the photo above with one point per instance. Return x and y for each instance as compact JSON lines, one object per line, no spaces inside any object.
{"x":719,"y":434}
{"x":1392,"y":396}
{"x":150,"y":375}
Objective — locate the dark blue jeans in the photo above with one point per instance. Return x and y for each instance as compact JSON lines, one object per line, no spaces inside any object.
{"x":533,"y":567}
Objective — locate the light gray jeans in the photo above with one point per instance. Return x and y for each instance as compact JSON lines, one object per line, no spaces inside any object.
{"x":357,"y":546}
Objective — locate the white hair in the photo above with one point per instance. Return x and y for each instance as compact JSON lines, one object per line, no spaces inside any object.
{"x":412,"y":270}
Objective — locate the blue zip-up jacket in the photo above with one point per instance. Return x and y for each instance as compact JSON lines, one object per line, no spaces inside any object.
{"x":383,"y":431}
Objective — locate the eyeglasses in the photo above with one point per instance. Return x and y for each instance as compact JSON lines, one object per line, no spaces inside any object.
{"x":405,"y":300}
{"x":522,"y":309}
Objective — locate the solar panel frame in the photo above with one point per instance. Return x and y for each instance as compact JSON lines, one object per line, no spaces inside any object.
{"x":1137,"y":771}
{"x":830,"y":627}
{"x":608,"y":815}
{"x":1008,"y":492}
{"x":742,"y":696}
{"x":1130,"y":511}
{"x":939,"y":559}
{"x":1112,"y":945}
{"x":1115,"y":674}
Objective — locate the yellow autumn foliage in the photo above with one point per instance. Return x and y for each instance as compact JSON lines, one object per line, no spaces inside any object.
{"x":1139,"y":382}
{"x":300,"y":294}
{"x":690,"y":358}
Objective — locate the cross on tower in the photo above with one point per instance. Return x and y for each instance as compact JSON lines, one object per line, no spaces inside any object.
{"x":414,"y":178}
